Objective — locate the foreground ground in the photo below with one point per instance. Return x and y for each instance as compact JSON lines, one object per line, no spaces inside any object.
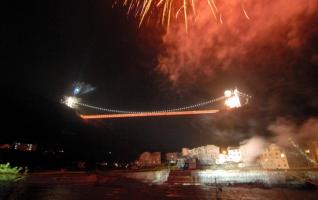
{"x":50,"y":186}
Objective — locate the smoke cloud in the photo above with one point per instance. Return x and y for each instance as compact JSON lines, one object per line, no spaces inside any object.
{"x":269,"y":54}
{"x":284,"y":128}
{"x":252,"y":148}
{"x":272,"y":35}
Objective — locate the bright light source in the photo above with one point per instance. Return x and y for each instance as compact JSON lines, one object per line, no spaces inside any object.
{"x":77,"y":90}
{"x":71,"y":101}
{"x":307,"y":151}
{"x":282,"y":155}
{"x":233,"y":102}
{"x":232,"y":98}
{"x":235,"y":92}
{"x":228,"y":93}
{"x":222,"y":158}
{"x":240,"y":165}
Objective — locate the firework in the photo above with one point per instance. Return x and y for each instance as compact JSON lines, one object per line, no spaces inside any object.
{"x":80,"y":88}
{"x":168,"y":11}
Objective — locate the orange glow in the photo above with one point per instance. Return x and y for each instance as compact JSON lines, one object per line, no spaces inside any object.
{"x":149,"y":114}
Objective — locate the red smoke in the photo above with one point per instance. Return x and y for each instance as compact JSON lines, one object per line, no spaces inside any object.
{"x":274,"y":33}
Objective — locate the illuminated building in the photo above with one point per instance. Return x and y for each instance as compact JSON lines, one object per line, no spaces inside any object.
{"x":24,"y":147}
{"x":185,"y":151}
{"x":210,"y":154}
{"x":206,"y":155}
{"x":147,"y":159}
{"x":234,"y":154}
{"x":315,"y":144}
{"x":274,"y":158}
{"x":172,"y":157}
{"x":222,"y":158}
{"x":229,"y":155}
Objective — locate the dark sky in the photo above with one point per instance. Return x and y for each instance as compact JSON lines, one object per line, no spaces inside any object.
{"x":49,"y":45}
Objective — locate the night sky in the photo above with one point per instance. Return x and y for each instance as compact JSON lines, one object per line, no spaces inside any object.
{"x":49,"y":45}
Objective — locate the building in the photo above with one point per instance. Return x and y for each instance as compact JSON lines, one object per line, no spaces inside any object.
{"x":24,"y":147}
{"x":304,"y":155}
{"x":185,"y":151}
{"x":192,"y":163}
{"x":147,"y":159}
{"x":273,"y":157}
{"x":211,"y":154}
{"x":229,"y":155}
{"x":315,"y":145}
{"x":156,"y":158}
{"x":222,"y":158}
{"x":206,"y":155}
{"x":172,"y":157}
{"x":234,"y":154}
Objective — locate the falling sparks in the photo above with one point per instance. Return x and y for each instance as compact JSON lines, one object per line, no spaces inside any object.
{"x":168,"y":11}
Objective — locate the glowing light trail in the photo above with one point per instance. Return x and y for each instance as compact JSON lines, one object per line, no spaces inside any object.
{"x":149,"y":114}
{"x":296,"y":146}
{"x":231,"y":98}
{"x":155,"y":111}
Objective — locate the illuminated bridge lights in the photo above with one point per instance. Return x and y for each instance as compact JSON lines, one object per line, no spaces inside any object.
{"x":148,"y":114}
{"x":231,"y":99}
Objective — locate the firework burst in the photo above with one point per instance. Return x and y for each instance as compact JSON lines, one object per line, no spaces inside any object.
{"x":171,"y":11}
{"x":81,"y":88}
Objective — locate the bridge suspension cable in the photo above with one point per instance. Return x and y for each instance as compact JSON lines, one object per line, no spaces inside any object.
{"x":231,"y":98}
{"x":153,"y":111}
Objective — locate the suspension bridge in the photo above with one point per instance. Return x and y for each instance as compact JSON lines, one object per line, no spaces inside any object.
{"x":231,"y":98}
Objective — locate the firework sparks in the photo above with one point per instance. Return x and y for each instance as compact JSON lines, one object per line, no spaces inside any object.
{"x":165,"y":9}
{"x":81,"y":88}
